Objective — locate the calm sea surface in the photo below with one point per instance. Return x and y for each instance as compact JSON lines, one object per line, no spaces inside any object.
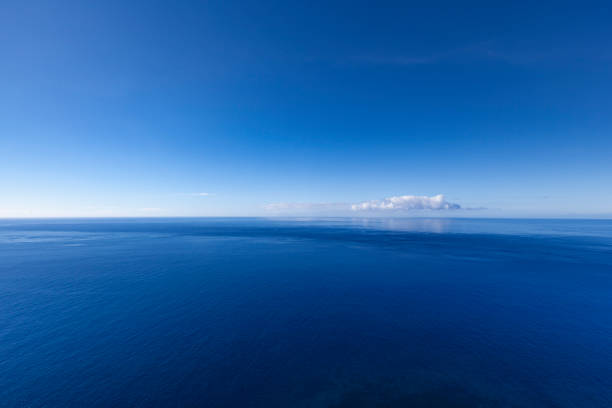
{"x":305,"y":313}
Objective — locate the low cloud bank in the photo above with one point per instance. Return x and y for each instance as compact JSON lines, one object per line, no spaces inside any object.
{"x":390,"y":204}
{"x":406,"y":202}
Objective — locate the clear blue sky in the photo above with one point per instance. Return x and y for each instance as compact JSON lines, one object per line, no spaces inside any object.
{"x":113,"y":108}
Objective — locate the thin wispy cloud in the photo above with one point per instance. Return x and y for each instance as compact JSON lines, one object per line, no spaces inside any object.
{"x":499,"y":50}
{"x":287,"y":207}
{"x":481,"y":48}
{"x":197,"y":194}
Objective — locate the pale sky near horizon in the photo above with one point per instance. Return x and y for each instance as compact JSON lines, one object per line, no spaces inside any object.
{"x":159,"y":108}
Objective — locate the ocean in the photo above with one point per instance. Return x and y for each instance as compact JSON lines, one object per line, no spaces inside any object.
{"x":336,"y":312}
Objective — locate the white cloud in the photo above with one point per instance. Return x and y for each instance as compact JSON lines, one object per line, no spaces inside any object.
{"x":398,"y":203}
{"x":406,"y":202}
{"x":202,"y":194}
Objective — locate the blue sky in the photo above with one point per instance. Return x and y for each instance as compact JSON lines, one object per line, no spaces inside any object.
{"x":135,"y":108}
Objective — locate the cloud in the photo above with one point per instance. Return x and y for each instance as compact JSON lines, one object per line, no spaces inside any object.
{"x":202,"y":194}
{"x":478,"y":49}
{"x":390,"y":204}
{"x":285,"y":207}
{"x":406,"y":202}
{"x":489,"y":49}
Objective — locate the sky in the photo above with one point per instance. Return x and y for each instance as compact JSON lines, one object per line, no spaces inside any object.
{"x":255,"y":108}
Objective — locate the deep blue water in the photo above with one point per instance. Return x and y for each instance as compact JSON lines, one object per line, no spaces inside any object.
{"x":306,"y":313}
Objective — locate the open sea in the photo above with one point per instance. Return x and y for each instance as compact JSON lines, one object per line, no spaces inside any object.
{"x":339,"y":313}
